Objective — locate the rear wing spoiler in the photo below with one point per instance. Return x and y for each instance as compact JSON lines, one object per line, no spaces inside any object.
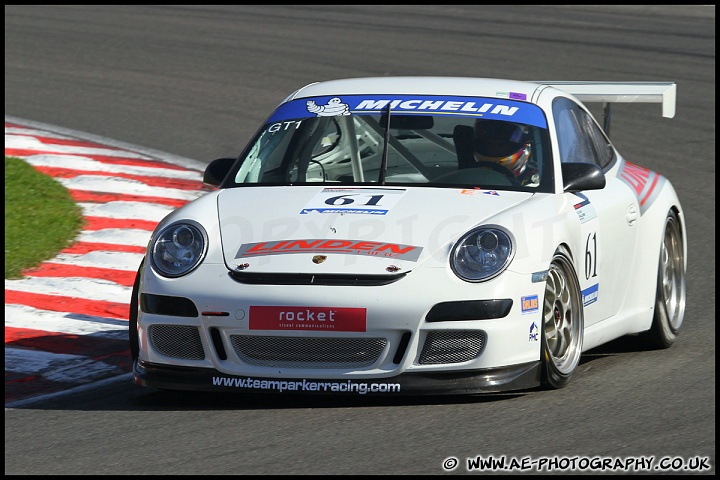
{"x":621,"y":92}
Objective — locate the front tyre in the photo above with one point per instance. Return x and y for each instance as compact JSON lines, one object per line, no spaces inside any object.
{"x":562,"y":328}
{"x":670,"y":296}
{"x":133,"y":316}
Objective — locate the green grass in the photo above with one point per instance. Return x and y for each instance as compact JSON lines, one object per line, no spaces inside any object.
{"x":41,"y":218}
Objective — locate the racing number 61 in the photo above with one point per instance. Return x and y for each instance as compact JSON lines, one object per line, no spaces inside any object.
{"x":591,"y":256}
{"x":346,"y":200}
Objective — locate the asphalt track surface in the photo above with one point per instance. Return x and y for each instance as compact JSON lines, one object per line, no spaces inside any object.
{"x":195,"y":82}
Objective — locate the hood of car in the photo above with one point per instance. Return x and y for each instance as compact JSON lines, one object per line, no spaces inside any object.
{"x":352,"y":230}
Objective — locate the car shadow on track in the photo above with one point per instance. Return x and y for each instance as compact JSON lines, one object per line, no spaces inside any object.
{"x":626,"y":344}
{"x":164,"y":400}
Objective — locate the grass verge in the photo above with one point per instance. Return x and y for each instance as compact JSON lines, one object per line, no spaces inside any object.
{"x":41,"y":218}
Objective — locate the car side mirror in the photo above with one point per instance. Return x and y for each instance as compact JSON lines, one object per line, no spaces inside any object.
{"x":582,"y":176}
{"x":217,"y":170}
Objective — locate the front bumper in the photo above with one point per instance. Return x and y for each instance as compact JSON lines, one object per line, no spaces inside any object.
{"x":513,"y":378}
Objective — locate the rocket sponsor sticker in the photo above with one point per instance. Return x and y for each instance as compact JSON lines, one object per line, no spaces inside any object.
{"x":308,"y":318}
{"x":358,"y":201}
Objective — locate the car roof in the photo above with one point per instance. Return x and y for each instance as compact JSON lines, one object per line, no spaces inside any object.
{"x":420,"y":85}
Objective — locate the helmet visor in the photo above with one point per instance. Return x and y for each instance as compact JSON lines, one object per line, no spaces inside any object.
{"x":498,"y":139}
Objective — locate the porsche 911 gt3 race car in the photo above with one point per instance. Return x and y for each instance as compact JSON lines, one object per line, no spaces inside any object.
{"x":414,"y":235}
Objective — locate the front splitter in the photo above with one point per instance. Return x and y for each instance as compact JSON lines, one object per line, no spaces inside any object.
{"x":513,"y":378}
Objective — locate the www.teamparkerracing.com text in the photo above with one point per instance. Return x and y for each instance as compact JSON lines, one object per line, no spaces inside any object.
{"x":579,"y":464}
{"x":304,"y":385}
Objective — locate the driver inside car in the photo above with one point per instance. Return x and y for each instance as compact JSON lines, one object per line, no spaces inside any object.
{"x":504,"y":144}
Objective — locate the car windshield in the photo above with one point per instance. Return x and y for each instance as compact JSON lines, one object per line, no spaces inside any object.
{"x":431,"y":141}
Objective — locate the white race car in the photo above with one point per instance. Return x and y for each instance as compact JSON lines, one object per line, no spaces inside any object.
{"x":414,"y":235}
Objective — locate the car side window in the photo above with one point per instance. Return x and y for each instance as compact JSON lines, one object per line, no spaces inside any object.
{"x":579,"y":137}
{"x":603,"y":148}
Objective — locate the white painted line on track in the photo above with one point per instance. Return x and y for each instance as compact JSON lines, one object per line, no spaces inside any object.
{"x":124,"y":186}
{"x":80,"y":287}
{"x":20,"y":131}
{"x":125,"y":377}
{"x":80,"y":370}
{"x":88,"y":164}
{"x":32,"y":143}
{"x":116,"y":236}
{"x":101,"y":259}
{"x":126,"y":210}
{"x":34,"y":361}
{"x":45,"y":129}
{"x":22,"y":316}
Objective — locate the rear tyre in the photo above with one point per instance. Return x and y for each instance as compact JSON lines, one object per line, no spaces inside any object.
{"x":562,"y":328}
{"x":133,"y":316}
{"x":670,"y":296}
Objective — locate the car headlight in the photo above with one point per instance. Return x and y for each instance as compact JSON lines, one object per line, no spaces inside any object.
{"x":178,"y":248}
{"x":482,"y":253}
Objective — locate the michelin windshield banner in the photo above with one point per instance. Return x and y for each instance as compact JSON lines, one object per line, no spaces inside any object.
{"x":490,"y":108}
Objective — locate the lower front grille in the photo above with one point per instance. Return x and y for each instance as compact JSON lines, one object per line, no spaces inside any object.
{"x":297,"y":352}
{"x":178,"y":341}
{"x":451,"y":346}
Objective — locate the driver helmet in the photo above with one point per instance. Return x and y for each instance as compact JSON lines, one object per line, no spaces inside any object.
{"x":504,"y":143}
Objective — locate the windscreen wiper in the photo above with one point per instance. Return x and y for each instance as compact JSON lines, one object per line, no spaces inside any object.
{"x":383,"y":162}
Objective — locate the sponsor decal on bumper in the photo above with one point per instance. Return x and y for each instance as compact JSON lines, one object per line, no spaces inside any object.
{"x":515,"y":377}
